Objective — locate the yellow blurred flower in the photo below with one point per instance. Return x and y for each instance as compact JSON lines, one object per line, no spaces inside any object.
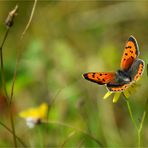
{"x":126,"y":93}
{"x":36,"y":115}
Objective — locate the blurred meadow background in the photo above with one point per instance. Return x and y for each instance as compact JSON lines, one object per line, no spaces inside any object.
{"x":64,"y":40}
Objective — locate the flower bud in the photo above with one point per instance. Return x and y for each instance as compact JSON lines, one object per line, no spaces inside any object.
{"x":10,"y":17}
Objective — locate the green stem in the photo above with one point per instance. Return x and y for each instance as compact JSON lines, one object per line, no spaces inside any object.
{"x":134,"y":123}
{"x":66,"y":140}
{"x":138,"y":129}
{"x":131,"y":114}
{"x":76,"y":129}
{"x":141,"y":124}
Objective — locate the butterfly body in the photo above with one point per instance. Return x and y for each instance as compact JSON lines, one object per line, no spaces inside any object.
{"x":131,"y":70}
{"x":122,"y":77}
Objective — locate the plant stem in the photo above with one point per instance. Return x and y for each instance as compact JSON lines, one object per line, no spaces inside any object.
{"x":141,"y":124}
{"x":4,"y":86}
{"x":2,"y":65}
{"x":76,"y":129}
{"x":138,"y":128}
{"x":9,"y":130}
{"x":66,"y":140}
{"x":131,"y":114}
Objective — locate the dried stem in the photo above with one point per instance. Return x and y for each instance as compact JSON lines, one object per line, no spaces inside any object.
{"x":4,"y":85}
{"x":8,"y":129}
{"x":19,"y":53}
{"x":30,"y":19}
{"x":18,"y":59}
{"x":9,"y":23}
{"x":2,"y":65}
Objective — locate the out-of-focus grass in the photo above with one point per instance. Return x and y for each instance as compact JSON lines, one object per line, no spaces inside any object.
{"x":65,"y":40}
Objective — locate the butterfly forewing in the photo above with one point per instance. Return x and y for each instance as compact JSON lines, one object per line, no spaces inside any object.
{"x":100,"y":77}
{"x":131,"y":52}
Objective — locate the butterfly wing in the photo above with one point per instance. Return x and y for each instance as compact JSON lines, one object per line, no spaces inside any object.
{"x":100,"y":77}
{"x":131,"y":52}
{"x":134,"y":73}
{"x":118,"y":88}
{"x":136,"y":70}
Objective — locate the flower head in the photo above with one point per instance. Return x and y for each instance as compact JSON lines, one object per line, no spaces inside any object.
{"x":34,"y":116}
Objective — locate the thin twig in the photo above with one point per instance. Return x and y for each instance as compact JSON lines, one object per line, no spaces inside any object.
{"x":52,"y":102}
{"x":8,"y":129}
{"x":131,"y":115}
{"x":4,"y":39}
{"x":19,"y":53}
{"x":147,"y":70}
{"x":18,"y":59}
{"x":141,"y":123}
{"x":10,"y":19}
{"x":9,"y":24}
{"x":4,"y":83}
{"x":2,"y":65}
{"x":30,"y":19}
{"x":138,"y":128}
{"x":66,"y":140}
{"x":76,"y":129}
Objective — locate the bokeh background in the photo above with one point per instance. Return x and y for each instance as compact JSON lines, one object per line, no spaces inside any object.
{"x":65,"y":40}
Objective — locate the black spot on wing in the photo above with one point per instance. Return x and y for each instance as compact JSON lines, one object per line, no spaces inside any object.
{"x":93,"y":75}
{"x":128,"y":47}
{"x":87,"y":78}
{"x":131,"y":51}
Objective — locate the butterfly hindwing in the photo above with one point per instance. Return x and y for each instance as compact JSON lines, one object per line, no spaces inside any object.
{"x":131,"y":52}
{"x":99,"y":77}
{"x":118,"y":88}
{"x":136,"y":69}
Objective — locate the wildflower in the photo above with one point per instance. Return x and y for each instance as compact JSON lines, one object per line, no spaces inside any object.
{"x":126,"y":93}
{"x":34,"y":116}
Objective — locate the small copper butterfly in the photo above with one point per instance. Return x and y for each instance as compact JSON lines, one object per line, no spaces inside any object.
{"x":131,"y":70}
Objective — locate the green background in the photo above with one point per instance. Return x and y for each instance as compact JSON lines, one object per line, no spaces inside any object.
{"x":65,"y":40}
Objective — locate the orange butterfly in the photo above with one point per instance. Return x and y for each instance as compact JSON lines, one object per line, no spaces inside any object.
{"x":131,"y":70}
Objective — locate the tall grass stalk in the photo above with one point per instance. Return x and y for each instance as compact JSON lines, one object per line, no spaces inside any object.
{"x":10,"y":131}
{"x":140,"y":126}
{"x":75,"y":129}
{"x":4,"y":86}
